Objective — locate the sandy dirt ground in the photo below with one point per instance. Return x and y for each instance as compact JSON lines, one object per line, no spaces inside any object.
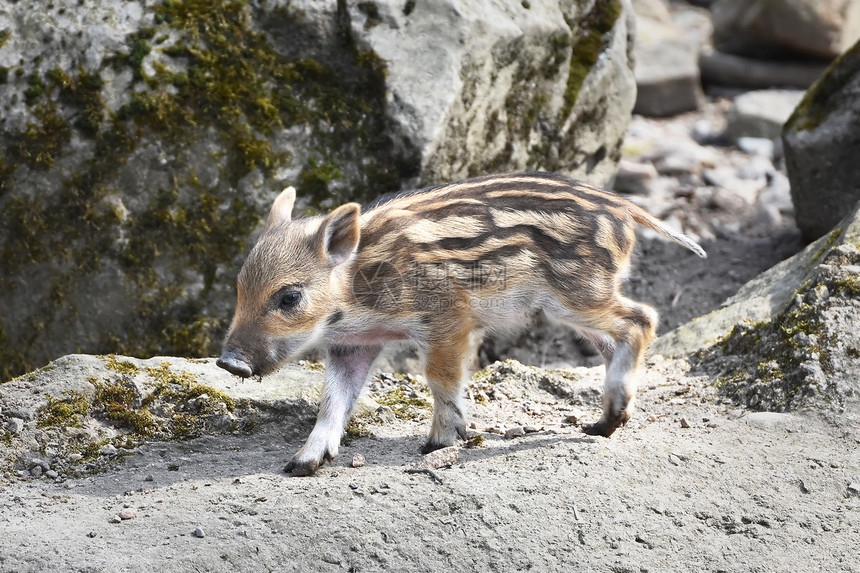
{"x":691,"y":484}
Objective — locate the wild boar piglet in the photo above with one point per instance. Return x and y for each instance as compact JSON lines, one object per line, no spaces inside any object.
{"x":431,"y":268}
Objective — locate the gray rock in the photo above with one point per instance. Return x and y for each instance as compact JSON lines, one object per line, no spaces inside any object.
{"x":761,"y":299}
{"x":667,"y":79}
{"x":36,"y":471}
{"x":51,"y":474}
{"x":728,"y":69}
{"x":667,"y":71}
{"x":761,"y":113}
{"x":763,"y":28}
{"x":108,"y":450}
{"x":15,"y":426}
{"x":365,"y":103}
{"x":288,"y":398}
{"x":441,"y":458}
{"x":516,"y":432}
{"x":22,"y":413}
{"x":820,"y":143}
{"x":635,"y":178}
{"x":198,"y":532}
{"x":38,"y":462}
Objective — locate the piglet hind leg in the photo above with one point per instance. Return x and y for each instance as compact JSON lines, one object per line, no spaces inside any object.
{"x":347,"y":369}
{"x":445,"y":376}
{"x":631,"y":328}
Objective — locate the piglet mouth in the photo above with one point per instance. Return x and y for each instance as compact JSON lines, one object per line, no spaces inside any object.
{"x":235,"y":364}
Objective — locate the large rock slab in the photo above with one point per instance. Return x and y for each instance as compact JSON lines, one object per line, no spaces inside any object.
{"x":141,"y":142}
{"x":765,"y":297}
{"x":81,"y":410}
{"x":820,"y":142}
{"x":777,"y":28}
{"x":494,"y":86}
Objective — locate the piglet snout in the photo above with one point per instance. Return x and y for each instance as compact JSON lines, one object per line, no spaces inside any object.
{"x":232,"y":363}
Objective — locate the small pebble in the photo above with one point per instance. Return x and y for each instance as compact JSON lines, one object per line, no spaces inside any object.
{"x":358,"y":460}
{"x":116,"y":519}
{"x":685,"y":423}
{"x":674,"y":460}
{"x":150,"y":477}
{"x":515,"y":433}
{"x":441,"y":458}
{"x":571,"y":419}
{"x":854,"y":488}
{"x":15,"y":426}
{"x":41,"y":463}
{"x":36,"y":471}
{"x":353,"y":485}
{"x":91,"y":534}
{"x":494,"y":430}
{"x":127,"y":513}
{"x":108,"y":450}
{"x":198,"y":532}
{"x":530,"y":429}
{"x":473,"y":426}
{"x":51,"y":474}
{"x":75,"y":457}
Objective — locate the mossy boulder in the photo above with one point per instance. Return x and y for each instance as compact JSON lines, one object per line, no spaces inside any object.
{"x":486,"y":86}
{"x":822,"y":141}
{"x":763,"y":298}
{"x":141,"y":141}
{"x":788,"y":340}
{"x":69,"y":410}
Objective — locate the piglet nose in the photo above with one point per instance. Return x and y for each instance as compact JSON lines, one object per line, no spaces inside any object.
{"x":230,"y":362}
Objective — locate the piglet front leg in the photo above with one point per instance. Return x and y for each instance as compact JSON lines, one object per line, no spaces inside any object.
{"x":347,"y":369}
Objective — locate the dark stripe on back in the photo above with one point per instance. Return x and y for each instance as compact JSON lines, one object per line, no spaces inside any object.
{"x":504,"y":184}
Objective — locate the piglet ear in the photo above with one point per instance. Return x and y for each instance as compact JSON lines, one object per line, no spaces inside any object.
{"x":282,"y":209}
{"x":340,"y":232}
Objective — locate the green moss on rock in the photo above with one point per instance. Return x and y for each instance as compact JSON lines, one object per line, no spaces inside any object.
{"x":204,"y":72}
{"x":587,"y":47}
{"x":787,"y":362}
{"x":817,"y":104}
{"x":64,"y":411}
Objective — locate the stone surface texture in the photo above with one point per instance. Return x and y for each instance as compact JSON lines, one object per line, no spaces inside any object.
{"x":142,"y":141}
{"x":667,"y":71}
{"x":776,"y":28}
{"x":821,"y":142}
{"x":761,"y":113}
{"x":764,"y":298}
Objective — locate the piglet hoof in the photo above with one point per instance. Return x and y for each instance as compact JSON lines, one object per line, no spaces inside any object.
{"x":600,"y":428}
{"x":432,"y":446}
{"x":606,"y":425}
{"x":301,"y":468}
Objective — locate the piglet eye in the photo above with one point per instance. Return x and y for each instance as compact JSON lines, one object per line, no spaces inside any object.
{"x":289,"y":300}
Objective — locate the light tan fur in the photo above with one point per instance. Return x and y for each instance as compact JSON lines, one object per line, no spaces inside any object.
{"x":430,"y":268}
